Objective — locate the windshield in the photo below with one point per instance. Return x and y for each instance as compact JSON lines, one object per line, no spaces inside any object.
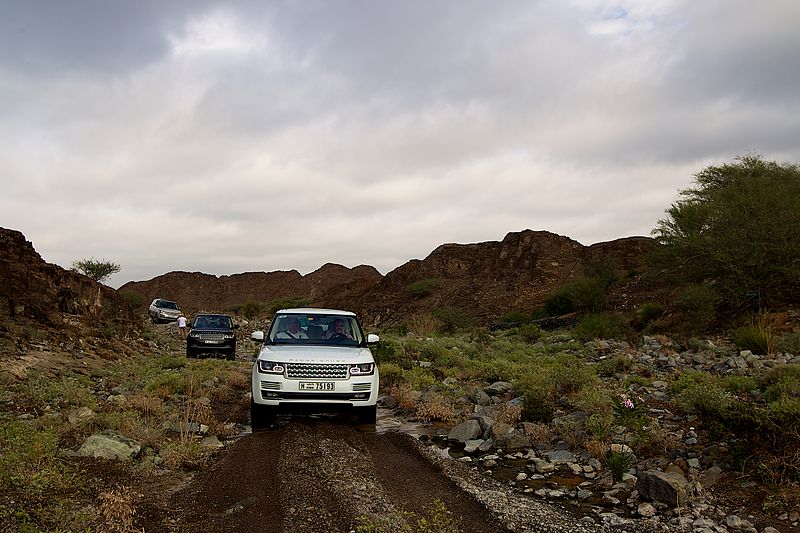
{"x":299,"y":328}
{"x":212,"y":322}
{"x":166,"y":304}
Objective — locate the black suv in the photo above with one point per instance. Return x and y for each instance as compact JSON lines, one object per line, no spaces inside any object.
{"x":212,"y":333}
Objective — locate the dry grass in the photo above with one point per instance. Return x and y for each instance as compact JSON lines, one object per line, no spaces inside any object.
{"x":146,"y":404}
{"x":118,"y":510}
{"x":509,"y":414}
{"x":406,"y":396}
{"x":538,"y":432}
{"x":423,"y":324}
{"x":436,"y":407}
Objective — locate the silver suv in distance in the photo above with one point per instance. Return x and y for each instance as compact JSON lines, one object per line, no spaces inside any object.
{"x":166,"y":310}
{"x":314,"y":357}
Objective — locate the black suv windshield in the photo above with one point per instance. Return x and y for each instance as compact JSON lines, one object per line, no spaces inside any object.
{"x":319,"y":329}
{"x":212,"y":322}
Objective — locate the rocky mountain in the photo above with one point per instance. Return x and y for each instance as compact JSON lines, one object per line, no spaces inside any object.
{"x":483,"y":280}
{"x":32,"y":289}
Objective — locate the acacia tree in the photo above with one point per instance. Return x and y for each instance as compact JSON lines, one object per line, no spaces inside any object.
{"x":98,"y":270}
{"x":738,"y":229}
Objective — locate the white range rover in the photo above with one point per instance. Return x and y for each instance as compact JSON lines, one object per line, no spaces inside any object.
{"x":316,"y":357}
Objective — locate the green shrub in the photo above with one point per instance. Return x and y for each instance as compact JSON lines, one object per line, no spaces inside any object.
{"x":789,"y":342}
{"x":780,"y":382}
{"x":649,"y":312}
{"x":698,"y":306}
{"x":618,"y":464}
{"x":612,"y":366}
{"x":703,"y":394}
{"x":391,"y":375}
{"x":252,"y":309}
{"x":134,"y":299}
{"x":737,"y":384}
{"x":422,"y":288}
{"x":168,"y":362}
{"x":585,"y":295}
{"x":605,"y":326}
{"x":602,"y":269}
{"x":530,"y":333}
{"x":287,"y":303}
{"x":756,"y":336}
{"x":453,"y":319}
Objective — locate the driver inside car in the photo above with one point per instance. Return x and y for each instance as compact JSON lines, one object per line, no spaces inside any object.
{"x":338,"y":332}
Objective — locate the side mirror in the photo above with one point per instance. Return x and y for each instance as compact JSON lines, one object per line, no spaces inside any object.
{"x":257,"y":336}
{"x":372,"y":339}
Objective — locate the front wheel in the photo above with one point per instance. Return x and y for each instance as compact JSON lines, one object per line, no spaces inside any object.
{"x":231,"y":354}
{"x":261,"y":416}
{"x":189,"y":353}
{"x":367,"y":415}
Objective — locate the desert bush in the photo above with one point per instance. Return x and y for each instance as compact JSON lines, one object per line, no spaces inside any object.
{"x":252,"y":309}
{"x":508,"y":414}
{"x":756,"y":336}
{"x":517,"y":317}
{"x":706,"y":237}
{"x":584,"y":295}
{"x":602,"y":269}
{"x":538,"y":432}
{"x":134,"y":299}
{"x":391,"y":375}
{"x":781,"y":381}
{"x":423,"y":324}
{"x":618,"y":463}
{"x":612,"y":366}
{"x":789,"y":342}
{"x":422,"y":288}
{"x":287,"y":303}
{"x":600,"y":425}
{"x":171,"y":362}
{"x":604,"y":326}
{"x":436,"y":407}
{"x":648,"y":312}
{"x":118,"y":509}
{"x":698,"y":306}
{"x":97,"y":269}
{"x":701,"y":393}
{"x":737,"y":384}
{"x":407,"y":397}
{"x":530,"y":333}
{"x":453,"y":319}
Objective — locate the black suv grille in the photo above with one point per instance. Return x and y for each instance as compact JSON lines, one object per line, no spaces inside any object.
{"x":313,"y":370}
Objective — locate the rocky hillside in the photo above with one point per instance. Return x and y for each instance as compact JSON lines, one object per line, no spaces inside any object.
{"x":48,"y":294}
{"x":483,"y":280}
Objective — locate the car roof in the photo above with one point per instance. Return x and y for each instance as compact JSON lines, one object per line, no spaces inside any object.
{"x":314,"y":311}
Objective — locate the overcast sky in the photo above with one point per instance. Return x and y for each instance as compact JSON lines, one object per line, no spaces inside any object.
{"x":227,"y":137}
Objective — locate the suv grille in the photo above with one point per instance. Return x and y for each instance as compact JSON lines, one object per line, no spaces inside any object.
{"x":219,"y":337}
{"x":312,"y":370}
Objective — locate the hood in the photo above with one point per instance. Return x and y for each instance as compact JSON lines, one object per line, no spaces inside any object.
{"x":315,"y":354}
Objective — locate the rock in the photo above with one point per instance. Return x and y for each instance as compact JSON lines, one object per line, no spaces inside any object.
{"x":560,"y":456}
{"x":479,"y":397}
{"x":499,"y":387}
{"x":541,"y":466}
{"x":469,"y":430}
{"x":471,"y":446}
{"x":646,"y":509}
{"x":513,"y":441}
{"x":668,"y":487}
{"x":500,"y":429}
{"x":769,"y":529}
{"x":212,"y":441}
{"x":109,"y":445}
{"x":79,"y":415}
{"x":734,"y":522}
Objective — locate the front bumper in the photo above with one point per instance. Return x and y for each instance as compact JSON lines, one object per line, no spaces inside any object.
{"x":199,"y":345}
{"x":276,"y":389}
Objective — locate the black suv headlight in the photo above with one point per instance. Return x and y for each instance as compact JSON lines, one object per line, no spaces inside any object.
{"x":362,"y":369}
{"x":228,"y":336}
{"x":270,"y":367}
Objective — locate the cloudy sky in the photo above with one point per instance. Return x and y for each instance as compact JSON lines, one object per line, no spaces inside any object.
{"x":227,"y":137}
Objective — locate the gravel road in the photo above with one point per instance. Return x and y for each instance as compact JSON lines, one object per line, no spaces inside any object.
{"x":322,"y":476}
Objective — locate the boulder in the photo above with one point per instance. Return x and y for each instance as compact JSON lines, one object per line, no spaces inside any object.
{"x":109,"y":445}
{"x":670,"y":488}
{"x":469,"y":430}
{"x":499,"y":387}
{"x":513,"y":441}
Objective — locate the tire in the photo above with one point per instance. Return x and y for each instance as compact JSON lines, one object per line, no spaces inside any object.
{"x":261,"y":416}
{"x":367,"y":415}
{"x":231,"y":355}
{"x":189,"y":353}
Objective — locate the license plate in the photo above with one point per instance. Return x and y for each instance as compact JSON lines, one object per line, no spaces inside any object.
{"x":315,"y":385}
{"x":211,"y":341}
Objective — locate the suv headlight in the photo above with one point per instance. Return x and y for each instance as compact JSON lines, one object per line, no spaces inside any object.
{"x":362,"y":369}
{"x":228,"y":336}
{"x":194,"y":334}
{"x":270,"y":367}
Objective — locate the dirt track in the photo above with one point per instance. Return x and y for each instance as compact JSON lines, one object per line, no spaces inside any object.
{"x":315,"y":476}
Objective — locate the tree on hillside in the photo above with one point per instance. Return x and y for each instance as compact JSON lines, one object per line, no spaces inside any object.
{"x":738,"y":229}
{"x":98,"y":270}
